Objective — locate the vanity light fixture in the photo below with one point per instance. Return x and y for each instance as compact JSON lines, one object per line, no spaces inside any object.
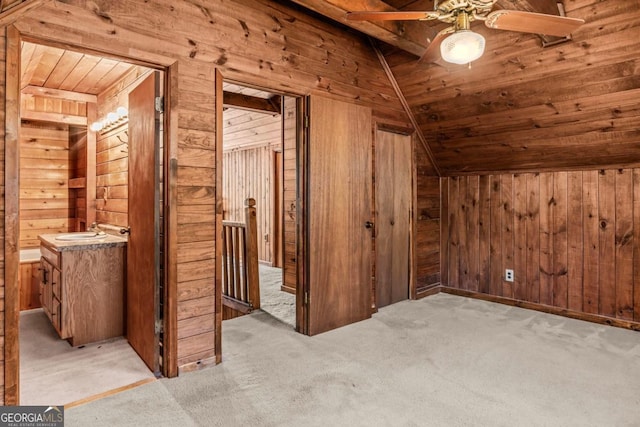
{"x":111,"y":120}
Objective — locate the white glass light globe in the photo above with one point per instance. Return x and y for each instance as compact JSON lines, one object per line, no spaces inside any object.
{"x":462,"y":47}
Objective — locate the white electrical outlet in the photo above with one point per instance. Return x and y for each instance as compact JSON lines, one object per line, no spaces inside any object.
{"x":508,"y":275}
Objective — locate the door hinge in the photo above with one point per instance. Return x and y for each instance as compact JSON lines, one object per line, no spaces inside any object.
{"x":159,"y":327}
{"x":306,"y":297}
{"x":306,"y":122}
{"x":160,"y":104}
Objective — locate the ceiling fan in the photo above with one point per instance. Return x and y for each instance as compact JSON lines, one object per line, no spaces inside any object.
{"x":457,"y":43}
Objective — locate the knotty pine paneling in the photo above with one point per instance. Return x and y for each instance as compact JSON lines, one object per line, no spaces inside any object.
{"x":249,"y":140}
{"x":571,"y":238}
{"x":51,"y":105}
{"x":258,"y":42}
{"x":289,"y":195}
{"x":78,"y":155}
{"x":427,"y":224}
{"x":112,"y":153}
{"x":521,"y":107}
{"x":112,"y":177}
{"x":249,"y":174}
{"x":46,"y":203}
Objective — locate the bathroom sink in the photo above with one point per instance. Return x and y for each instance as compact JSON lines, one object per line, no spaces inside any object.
{"x":83,"y":235}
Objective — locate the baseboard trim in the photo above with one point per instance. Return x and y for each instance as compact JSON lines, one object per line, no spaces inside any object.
{"x":200,"y":364}
{"x":428,"y":291}
{"x":288,"y":289}
{"x":594,"y":318}
{"x":108,"y":393}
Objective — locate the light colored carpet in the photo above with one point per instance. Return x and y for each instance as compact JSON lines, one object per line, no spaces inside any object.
{"x":441,"y":361}
{"x":54,"y":373}
{"x":279,"y":304}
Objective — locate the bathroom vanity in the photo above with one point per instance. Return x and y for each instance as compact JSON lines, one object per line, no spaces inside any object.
{"x":82,"y":286}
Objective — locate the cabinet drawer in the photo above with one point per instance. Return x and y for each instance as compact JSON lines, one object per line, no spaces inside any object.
{"x":50,"y":255}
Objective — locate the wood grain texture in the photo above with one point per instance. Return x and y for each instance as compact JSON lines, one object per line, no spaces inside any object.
{"x":142,"y":279}
{"x":393,"y":209}
{"x":319,"y":59}
{"x":575,"y":236}
{"x":45,"y":146}
{"x":247,"y":174}
{"x":289,"y":195}
{"x":542,"y":109}
{"x":29,"y":285}
{"x":92,"y":294}
{"x":339,"y":182}
{"x":10,"y":250}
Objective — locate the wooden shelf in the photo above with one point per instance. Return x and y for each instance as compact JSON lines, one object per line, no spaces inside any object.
{"x":77,"y":182}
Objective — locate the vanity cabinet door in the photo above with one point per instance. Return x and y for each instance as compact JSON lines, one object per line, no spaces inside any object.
{"x":46,"y":292}
{"x":56,"y":315}
{"x":56,"y":283}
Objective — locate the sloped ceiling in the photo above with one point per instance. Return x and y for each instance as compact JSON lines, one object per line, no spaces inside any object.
{"x":522,"y":107}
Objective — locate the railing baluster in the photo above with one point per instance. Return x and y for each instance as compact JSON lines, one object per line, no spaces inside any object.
{"x":241,"y":283}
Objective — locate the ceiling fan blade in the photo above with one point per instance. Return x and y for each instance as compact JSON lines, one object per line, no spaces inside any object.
{"x":391,"y":16}
{"x":530,"y":22}
{"x":432,"y":54}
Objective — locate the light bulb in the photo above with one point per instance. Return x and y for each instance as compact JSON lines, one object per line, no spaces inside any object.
{"x":96,"y":126}
{"x":112,"y":117}
{"x":122,"y":112}
{"x":462,"y":47}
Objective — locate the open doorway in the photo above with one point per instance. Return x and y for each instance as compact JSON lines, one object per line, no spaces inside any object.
{"x":90,"y":155}
{"x":259,"y":163}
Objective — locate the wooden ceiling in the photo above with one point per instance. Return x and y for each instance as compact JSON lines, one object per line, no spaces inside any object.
{"x":522,"y":107}
{"x":55,"y":68}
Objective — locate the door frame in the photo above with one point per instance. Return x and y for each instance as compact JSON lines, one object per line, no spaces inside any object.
{"x":411,"y":286}
{"x":386,"y":127}
{"x":169,"y":66}
{"x":301,"y":112}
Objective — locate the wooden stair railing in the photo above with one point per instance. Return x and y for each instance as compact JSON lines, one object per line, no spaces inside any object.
{"x":240,"y":277}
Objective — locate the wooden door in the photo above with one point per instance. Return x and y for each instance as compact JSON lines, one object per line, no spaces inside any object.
{"x":393,"y":211}
{"x":144,"y":238}
{"x":339,"y":206}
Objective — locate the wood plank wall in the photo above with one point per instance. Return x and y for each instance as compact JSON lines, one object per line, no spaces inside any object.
{"x":78,"y":156}
{"x":112,"y":153}
{"x":571,"y":237}
{"x":112,"y":179}
{"x":258,"y":42}
{"x":248,"y":173}
{"x":427,"y":224}
{"x":46,"y":204}
{"x":249,"y":140}
{"x":289,"y":196}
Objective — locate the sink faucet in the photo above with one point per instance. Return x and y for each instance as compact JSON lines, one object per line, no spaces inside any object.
{"x":94,"y":227}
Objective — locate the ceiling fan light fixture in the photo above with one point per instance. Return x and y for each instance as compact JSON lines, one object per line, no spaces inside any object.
{"x":462,"y":47}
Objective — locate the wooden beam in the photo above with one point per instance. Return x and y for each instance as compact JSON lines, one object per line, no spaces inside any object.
{"x":12,"y":14}
{"x":59,"y":94}
{"x":250,"y":103}
{"x":410,"y":36}
{"x":276,"y":102}
{"x":54,"y":117}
